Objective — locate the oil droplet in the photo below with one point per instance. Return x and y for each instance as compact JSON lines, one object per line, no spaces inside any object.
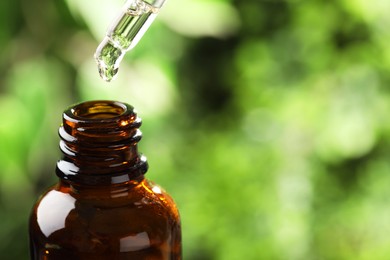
{"x":108,"y":57}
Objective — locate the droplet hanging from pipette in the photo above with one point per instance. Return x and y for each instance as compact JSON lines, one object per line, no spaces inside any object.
{"x":125,"y":32}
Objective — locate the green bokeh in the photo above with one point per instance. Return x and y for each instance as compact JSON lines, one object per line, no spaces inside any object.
{"x":267,"y":121}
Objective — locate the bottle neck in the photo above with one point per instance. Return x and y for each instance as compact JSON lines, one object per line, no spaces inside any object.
{"x":99,"y":144}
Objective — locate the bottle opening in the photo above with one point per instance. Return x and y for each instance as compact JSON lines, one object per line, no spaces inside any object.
{"x":99,"y":110}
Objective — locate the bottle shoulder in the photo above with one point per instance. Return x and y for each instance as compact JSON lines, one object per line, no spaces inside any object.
{"x":145,"y":207}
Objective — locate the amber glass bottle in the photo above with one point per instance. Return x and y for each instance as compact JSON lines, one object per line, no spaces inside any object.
{"x":103,"y":207}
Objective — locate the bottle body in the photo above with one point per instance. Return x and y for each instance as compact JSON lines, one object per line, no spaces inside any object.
{"x":102,"y":209}
{"x":133,"y":221}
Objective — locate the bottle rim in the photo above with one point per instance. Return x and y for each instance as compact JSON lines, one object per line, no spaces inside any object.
{"x":98,"y":110}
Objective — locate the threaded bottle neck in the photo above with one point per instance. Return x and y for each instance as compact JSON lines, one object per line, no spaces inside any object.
{"x":99,"y":143}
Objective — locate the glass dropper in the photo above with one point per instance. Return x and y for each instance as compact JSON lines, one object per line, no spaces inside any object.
{"x":125,"y":32}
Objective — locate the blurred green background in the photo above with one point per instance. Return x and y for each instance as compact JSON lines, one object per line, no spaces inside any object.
{"x":267,"y":121}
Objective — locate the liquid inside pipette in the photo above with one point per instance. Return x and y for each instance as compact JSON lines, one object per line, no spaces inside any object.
{"x":125,"y":32}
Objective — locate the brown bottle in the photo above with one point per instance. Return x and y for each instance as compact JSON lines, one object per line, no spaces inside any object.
{"x":103,"y":207}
